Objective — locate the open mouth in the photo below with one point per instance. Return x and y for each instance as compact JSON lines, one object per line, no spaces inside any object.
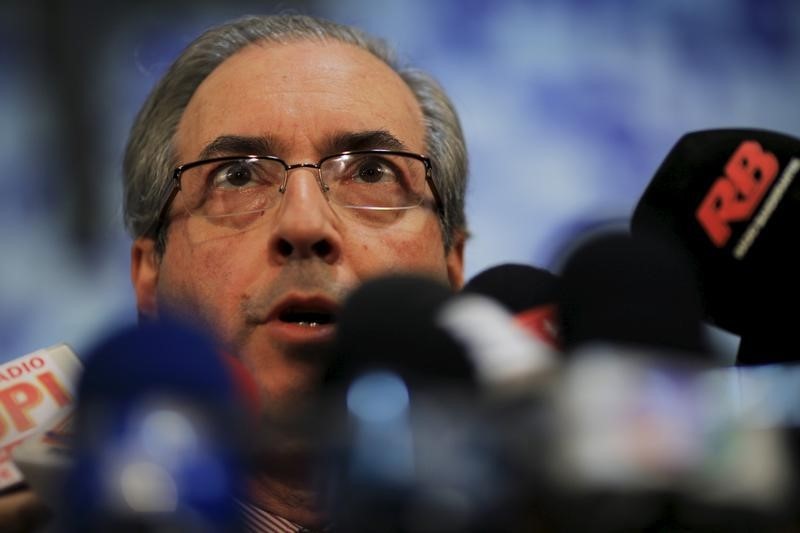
{"x":309,"y":316}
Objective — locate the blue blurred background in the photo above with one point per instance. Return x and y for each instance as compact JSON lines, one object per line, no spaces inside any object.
{"x":568,"y":107}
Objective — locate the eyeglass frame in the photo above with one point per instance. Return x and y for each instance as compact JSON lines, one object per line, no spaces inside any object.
{"x":178,"y":172}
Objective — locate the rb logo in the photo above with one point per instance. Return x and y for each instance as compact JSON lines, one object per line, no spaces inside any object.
{"x":734,"y":196}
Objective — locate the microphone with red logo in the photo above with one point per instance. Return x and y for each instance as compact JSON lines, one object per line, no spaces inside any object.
{"x":528,"y":292}
{"x":41,"y":447}
{"x":36,"y":393}
{"x":730,"y":198}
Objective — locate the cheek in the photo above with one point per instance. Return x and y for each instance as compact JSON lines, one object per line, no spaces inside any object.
{"x":394,"y":250}
{"x":196,"y":281}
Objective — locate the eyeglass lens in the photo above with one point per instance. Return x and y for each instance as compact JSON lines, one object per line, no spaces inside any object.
{"x":360,"y":181}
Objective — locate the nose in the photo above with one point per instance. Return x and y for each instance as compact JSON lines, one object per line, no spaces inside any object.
{"x":306,"y":226}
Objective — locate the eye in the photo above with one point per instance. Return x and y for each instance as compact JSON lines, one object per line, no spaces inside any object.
{"x":242,"y":174}
{"x":233,"y":175}
{"x":374,"y":170}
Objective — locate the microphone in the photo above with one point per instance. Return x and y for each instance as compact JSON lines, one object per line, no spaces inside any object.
{"x":392,"y":371}
{"x":638,"y":421}
{"x":389,"y":323}
{"x":36,"y":392}
{"x":415,"y":444}
{"x":158,"y":435}
{"x":528,"y":292}
{"x":419,"y":329}
{"x":730,"y":198}
{"x":631,"y":291}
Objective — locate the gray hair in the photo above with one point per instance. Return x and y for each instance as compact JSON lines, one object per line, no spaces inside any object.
{"x":150,"y":154}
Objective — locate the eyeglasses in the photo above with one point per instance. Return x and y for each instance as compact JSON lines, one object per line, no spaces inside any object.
{"x":370,"y":180}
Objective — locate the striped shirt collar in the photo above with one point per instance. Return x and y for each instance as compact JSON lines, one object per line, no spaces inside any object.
{"x":258,"y":520}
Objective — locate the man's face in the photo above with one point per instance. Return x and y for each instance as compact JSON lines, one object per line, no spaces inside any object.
{"x":255,"y":286}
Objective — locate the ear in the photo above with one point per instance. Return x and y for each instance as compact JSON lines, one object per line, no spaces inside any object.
{"x":455,"y":261}
{"x":144,"y":275}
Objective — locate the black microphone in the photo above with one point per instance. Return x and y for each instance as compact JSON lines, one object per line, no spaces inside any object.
{"x":643,"y":404}
{"x":517,"y":286}
{"x":389,"y":323}
{"x":730,"y":198}
{"x":418,"y":328}
{"x":530,"y":293}
{"x":158,"y":435}
{"x":631,"y":291}
{"x":413,"y":448}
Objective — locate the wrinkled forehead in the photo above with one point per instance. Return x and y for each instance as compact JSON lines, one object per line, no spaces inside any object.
{"x":300,"y":94}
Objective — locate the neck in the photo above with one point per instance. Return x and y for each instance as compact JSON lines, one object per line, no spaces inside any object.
{"x":288,"y":491}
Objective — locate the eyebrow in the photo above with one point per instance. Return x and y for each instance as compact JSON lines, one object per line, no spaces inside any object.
{"x":225,"y":145}
{"x":364,"y":140}
{"x":240,"y":145}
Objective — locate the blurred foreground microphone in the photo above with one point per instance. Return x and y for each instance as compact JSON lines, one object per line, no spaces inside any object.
{"x":528,"y":292}
{"x":731,"y":199}
{"x":392,"y":369}
{"x":432,"y":338}
{"x":633,"y":292}
{"x":157,"y":436}
{"x":638,"y":429}
{"x":413,"y":450}
{"x":389,"y":323}
{"x":36,"y":393}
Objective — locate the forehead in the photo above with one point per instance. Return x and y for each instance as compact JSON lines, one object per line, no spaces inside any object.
{"x":300,"y":94}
